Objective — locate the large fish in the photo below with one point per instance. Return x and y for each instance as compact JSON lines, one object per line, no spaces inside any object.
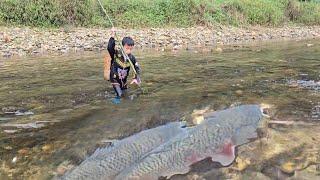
{"x":216,"y":137}
{"x":106,"y":163}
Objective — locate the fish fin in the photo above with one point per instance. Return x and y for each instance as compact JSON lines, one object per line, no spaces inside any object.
{"x":226,"y":156}
{"x":112,"y":143}
{"x":138,"y":178}
{"x":244,"y":134}
{"x":183,"y":124}
{"x":182,"y":170}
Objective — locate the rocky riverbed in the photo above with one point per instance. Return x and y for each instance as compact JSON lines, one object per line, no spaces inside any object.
{"x":56,"y":110}
{"x":21,"y":41}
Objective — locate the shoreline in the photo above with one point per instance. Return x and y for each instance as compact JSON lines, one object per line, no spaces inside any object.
{"x":24,"y":41}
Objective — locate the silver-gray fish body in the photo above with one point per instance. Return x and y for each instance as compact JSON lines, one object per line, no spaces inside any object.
{"x":106,"y":163}
{"x":216,"y":137}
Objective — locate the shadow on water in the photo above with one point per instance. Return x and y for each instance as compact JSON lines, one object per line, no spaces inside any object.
{"x":70,"y":94}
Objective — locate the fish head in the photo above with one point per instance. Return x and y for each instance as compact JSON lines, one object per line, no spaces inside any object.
{"x":250,"y":124}
{"x":236,"y":126}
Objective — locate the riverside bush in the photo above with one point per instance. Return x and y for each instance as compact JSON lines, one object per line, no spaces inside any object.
{"x":158,"y":13}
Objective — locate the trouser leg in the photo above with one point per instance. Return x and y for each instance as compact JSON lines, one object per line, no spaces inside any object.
{"x":117,"y":89}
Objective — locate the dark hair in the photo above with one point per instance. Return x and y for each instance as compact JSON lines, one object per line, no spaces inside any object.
{"x":127,"y":41}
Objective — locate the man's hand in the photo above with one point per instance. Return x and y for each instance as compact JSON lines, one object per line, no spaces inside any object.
{"x":136,"y":81}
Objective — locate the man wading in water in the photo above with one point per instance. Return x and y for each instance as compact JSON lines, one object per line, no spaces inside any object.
{"x":120,"y":65}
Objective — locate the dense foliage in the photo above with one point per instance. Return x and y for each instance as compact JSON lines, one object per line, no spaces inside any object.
{"x":159,"y":13}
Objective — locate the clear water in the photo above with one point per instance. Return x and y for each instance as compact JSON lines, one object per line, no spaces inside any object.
{"x":70,"y":92}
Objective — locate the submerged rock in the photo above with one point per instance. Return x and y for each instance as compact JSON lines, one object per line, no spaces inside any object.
{"x":315,"y":112}
{"x":241,"y":164}
{"x":9,"y":109}
{"x":14,"y":160}
{"x":305,"y":84}
{"x":47,"y":148}
{"x":10,"y":131}
{"x":23,"y":113}
{"x":219,"y":50}
{"x":24,"y":151}
{"x":31,"y":125}
{"x":288,"y":167}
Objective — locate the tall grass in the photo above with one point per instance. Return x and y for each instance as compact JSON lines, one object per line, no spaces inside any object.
{"x":47,"y":12}
{"x":304,"y":13}
{"x":158,"y":13}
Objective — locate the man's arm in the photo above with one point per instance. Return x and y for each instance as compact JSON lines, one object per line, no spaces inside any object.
{"x":112,"y":44}
{"x":111,"y":47}
{"x":136,"y":78}
{"x":135,"y":64}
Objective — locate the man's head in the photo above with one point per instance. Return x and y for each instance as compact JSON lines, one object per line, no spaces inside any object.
{"x":127,"y":43}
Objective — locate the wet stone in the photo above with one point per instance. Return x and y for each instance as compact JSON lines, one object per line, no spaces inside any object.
{"x":219,"y":50}
{"x":304,"y":76}
{"x":305,"y":84}
{"x":14,"y":160}
{"x":23,"y":151}
{"x":47,"y":148}
{"x":10,"y":131}
{"x":8,"y":148}
{"x":288,"y":167}
{"x":241,"y":164}
{"x":10,"y":109}
{"x":315,"y":112}
{"x":239,"y":92}
{"x":63,"y":168}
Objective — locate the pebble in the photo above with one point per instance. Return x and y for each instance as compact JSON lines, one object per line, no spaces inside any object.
{"x":14,"y":160}
{"x":239,"y":92}
{"x":241,"y":164}
{"x":41,"y":41}
{"x":61,"y":170}
{"x":219,"y":50}
{"x":23,"y":151}
{"x":288,"y":167}
{"x":46,"y":148}
{"x":10,"y":131}
{"x":8,"y":148}
{"x":23,"y":113}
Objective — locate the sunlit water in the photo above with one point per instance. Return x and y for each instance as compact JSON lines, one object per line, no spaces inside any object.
{"x":69,"y":92}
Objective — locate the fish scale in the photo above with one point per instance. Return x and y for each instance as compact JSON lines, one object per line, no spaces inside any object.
{"x":200,"y":142}
{"x":106,"y":163}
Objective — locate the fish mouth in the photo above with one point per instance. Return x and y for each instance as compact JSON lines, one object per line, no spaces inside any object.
{"x":262,"y":129}
{"x":265,"y":109}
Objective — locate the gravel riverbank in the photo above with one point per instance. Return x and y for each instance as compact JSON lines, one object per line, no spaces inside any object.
{"x":21,"y":41}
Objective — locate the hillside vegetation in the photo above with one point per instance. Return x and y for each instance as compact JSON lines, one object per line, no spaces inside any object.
{"x":159,"y":13}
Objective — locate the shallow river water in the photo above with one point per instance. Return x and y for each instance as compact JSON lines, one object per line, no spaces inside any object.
{"x":57,"y":110}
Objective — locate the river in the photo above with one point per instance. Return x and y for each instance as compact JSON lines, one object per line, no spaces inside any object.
{"x":71,"y":111}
